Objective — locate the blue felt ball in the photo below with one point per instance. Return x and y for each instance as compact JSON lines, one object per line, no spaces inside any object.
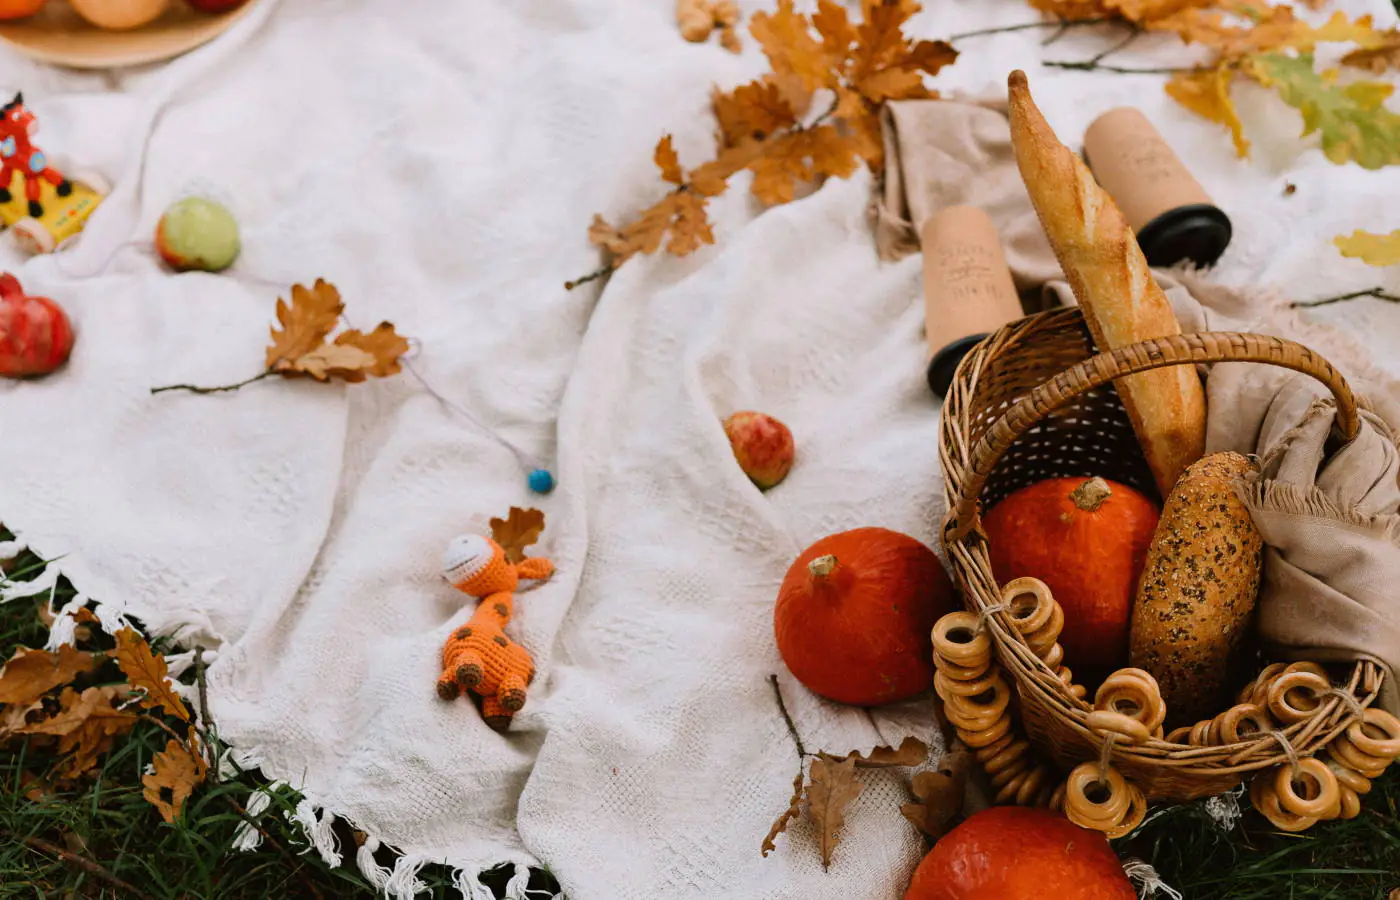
{"x":541,"y":482}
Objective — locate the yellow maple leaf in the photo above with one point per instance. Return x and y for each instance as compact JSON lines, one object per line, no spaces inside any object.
{"x":787,"y":41}
{"x":518,"y":530}
{"x":313,"y":313}
{"x":668,"y":162}
{"x":30,"y":674}
{"x":177,"y":770}
{"x":1207,"y":93}
{"x":146,"y":671}
{"x":1373,"y":249}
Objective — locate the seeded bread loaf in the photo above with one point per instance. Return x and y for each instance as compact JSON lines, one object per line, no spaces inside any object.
{"x":1198,"y":589}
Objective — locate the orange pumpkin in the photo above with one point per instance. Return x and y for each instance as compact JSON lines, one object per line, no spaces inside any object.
{"x":1087,"y":539}
{"x":855,"y":612}
{"x":1017,"y":853}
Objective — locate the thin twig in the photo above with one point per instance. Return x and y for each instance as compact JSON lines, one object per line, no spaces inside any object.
{"x":168,"y":730}
{"x":782,"y":708}
{"x":1128,"y":39}
{"x":77,"y":861}
{"x":591,"y":276}
{"x":213,"y":390}
{"x":298,"y":867}
{"x":1027,"y":26}
{"x":1092,"y":65}
{"x":210,"y":732}
{"x":1377,"y":293}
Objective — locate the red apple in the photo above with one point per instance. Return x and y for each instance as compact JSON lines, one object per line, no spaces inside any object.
{"x":35,"y":335}
{"x":215,"y":6}
{"x":762,"y":445}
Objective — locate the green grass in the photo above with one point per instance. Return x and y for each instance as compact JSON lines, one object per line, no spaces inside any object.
{"x":112,"y":835}
{"x":118,"y":846}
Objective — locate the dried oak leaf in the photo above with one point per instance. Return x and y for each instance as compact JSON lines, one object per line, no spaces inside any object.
{"x":86,"y":725}
{"x":518,"y":530}
{"x":788,"y":43}
{"x":832,"y":787}
{"x":313,"y":312}
{"x":1352,"y":120}
{"x":781,"y":823}
{"x":801,"y":156}
{"x":752,"y":112}
{"x":30,"y":674}
{"x":334,"y":361}
{"x":1373,"y":249}
{"x":910,"y":752}
{"x":147,"y":671}
{"x":1379,"y":57}
{"x":177,"y":770}
{"x":1207,"y":93}
{"x":695,"y":19}
{"x":383,"y":346}
{"x":939,"y":795}
{"x":668,"y":162}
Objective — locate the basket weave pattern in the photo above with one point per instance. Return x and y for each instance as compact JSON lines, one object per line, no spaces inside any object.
{"x":1033,"y":401}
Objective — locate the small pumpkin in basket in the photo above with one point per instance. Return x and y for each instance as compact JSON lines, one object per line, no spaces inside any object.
{"x":1087,"y":540}
{"x":855,"y":613}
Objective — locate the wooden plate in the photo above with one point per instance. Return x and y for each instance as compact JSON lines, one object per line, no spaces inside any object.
{"x":56,"y":34}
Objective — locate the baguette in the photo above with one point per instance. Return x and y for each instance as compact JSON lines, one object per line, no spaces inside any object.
{"x":1122,"y":302}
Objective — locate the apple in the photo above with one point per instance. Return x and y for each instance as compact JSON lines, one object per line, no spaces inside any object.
{"x":35,"y":334}
{"x":196,"y":233}
{"x":762,"y":445}
{"x":119,"y":15}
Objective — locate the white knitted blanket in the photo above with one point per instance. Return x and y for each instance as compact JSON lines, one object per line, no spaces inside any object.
{"x":440,"y":162}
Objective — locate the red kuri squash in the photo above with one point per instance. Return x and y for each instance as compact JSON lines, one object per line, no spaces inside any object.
{"x":1087,"y":539}
{"x":855,"y":612}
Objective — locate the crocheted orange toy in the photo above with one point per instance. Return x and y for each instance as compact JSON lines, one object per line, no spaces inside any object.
{"x":478,"y":657}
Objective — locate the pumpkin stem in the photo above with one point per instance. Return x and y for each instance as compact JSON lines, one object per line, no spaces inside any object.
{"x":822,"y":566}
{"x":1090,"y":495}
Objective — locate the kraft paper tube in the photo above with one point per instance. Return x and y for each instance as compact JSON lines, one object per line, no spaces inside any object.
{"x":1166,"y":207}
{"x":968,"y":292}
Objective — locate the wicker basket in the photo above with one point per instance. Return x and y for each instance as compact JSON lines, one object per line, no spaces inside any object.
{"x":1031,"y":402}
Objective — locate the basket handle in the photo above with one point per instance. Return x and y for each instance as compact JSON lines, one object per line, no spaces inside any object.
{"x":1096,"y":371}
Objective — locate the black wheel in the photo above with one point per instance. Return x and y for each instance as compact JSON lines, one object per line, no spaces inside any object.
{"x":65,"y":187}
{"x":36,"y":209}
{"x":5,"y":195}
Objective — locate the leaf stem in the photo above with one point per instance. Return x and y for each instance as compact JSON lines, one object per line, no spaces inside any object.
{"x":1114,"y":48}
{"x":77,"y":861}
{"x":213,"y":390}
{"x":168,"y":730}
{"x":1027,"y":26}
{"x":1376,"y":292}
{"x":782,"y":708}
{"x":591,"y":276}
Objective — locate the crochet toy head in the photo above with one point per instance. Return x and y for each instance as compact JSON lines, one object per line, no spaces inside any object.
{"x":477,"y":566}
{"x":17,"y":119}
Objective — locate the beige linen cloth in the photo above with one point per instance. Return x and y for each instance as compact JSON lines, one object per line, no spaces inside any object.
{"x":1330,"y":516}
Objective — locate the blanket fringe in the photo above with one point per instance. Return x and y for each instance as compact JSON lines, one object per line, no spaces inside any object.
{"x":248,"y":837}
{"x":1293,"y":500}
{"x":519,"y":883}
{"x":404,"y":883}
{"x":375,"y":874}
{"x":319,"y":831}
{"x":469,"y":883}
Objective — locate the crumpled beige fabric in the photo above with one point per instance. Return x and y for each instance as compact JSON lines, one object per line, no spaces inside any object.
{"x":1330,"y":517}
